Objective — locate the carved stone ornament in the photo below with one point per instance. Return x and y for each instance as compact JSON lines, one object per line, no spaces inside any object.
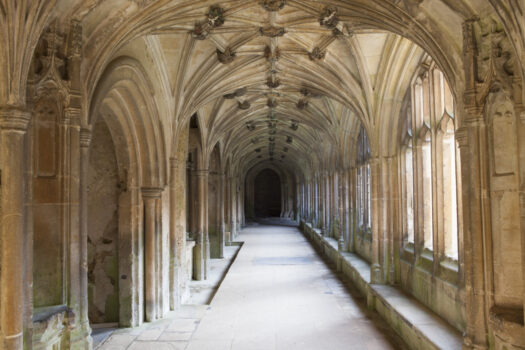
{"x":273,"y":5}
{"x":237,"y":93}
{"x":250,"y":126}
{"x":272,"y":55}
{"x":317,"y":54}
{"x":302,"y":104}
{"x":272,"y":102}
{"x":201,"y":31}
{"x":273,"y":82}
{"x":244,"y":105}
{"x":272,"y":31}
{"x":215,"y":18}
{"x":225,"y":57}
{"x":328,"y":17}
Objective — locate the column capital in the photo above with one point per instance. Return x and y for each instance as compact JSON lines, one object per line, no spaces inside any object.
{"x":151,"y":192}
{"x":85,"y":137}
{"x":462,"y":137}
{"x":14,"y":118}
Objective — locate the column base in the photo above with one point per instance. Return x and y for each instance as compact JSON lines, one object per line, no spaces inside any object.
{"x":80,"y":338}
{"x":341,"y":245}
{"x":198,"y":262}
{"x":375,"y":274}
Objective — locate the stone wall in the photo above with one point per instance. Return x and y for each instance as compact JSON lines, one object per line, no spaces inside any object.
{"x":103,"y":245}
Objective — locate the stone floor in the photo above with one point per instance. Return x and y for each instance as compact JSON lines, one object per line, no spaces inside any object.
{"x":278,"y":294}
{"x":202,"y":292}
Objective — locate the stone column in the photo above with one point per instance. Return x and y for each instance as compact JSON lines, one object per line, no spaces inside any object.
{"x":158,"y":257}
{"x":201,"y":242}
{"x":346,"y":186}
{"x":227,"y":209}
{"x":323,"y":200}
{"x":470,"y":141}
{"x":85,"y":141}
{"x":150,"y":196}
{"x":175,"y":244}
{"x":352,"y":209}
{"x":342,"y":212}
{"x":233,"y":208}
{"x":13,"y":126}
{"x":375,"y":182}
{"x":222,"y":204}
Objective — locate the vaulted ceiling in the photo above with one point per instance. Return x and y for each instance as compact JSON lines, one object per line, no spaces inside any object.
{"x":283,"y":81}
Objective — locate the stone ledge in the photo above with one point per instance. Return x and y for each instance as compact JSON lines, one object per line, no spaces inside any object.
{"x":419,"y":327}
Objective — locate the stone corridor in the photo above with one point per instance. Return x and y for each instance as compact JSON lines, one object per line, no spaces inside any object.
{"x":278,"y":294}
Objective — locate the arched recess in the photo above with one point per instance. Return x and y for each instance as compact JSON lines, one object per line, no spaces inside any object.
{"x":103,"y":240}
{"x":193,"y":159}
{"x":267,"y":194}
{"x":124,"y":105}
{"x":215,"y":205}
{"x":288,"y":189}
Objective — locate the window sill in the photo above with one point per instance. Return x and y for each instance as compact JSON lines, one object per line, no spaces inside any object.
{"x":44,"y":313}
{"x":426,"y":260}
{"x":449,"y":271}
{"x":408,"y":253}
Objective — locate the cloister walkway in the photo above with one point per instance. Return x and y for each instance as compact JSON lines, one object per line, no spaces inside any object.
{"x":278,"y":294}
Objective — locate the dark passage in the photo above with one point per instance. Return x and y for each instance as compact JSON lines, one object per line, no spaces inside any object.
{"x":267,"y":194}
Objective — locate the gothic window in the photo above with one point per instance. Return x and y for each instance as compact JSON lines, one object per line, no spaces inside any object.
{"x":407,"y":180}
{"x":363,"y":181}
{"x":445,"y":111}
{"x":430,"y":181}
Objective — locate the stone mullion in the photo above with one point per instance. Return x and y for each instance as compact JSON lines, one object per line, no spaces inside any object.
{"x":13,"y":127}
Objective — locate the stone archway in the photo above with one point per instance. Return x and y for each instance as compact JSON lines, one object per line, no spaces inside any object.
{"x":103,"y":228}
{"x":267,"y":194}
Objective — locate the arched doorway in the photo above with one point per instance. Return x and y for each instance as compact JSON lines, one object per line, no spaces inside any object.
{"x":267,"y":194}
{"x":103,"y":196}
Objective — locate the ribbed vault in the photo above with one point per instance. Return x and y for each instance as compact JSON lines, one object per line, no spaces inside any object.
{"x":289,"y":82}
